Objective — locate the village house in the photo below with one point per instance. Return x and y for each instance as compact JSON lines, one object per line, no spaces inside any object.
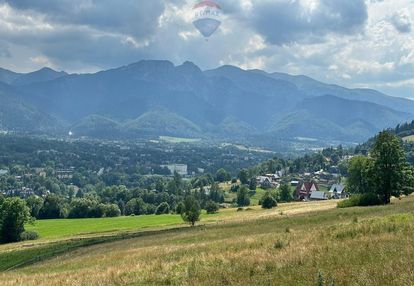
{"x":181,"y":169}
{"x":304,"y":190}
{"x":318,"y":196}
{"x":64,"y":174}
{"x":23,"y":192}
{"x":294,"y":183}
{"x":264,"y":182}
{"x":337,"y":192}
{"x":269,"y":180}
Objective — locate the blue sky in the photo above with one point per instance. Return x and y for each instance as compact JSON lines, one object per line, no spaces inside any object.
{"x":355,"y":43}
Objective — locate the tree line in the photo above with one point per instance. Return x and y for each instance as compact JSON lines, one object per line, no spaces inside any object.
{"x":380,"y":174}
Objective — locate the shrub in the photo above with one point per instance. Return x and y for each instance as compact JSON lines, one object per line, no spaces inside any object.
{"x":29,"y":235}
{"x":253,"y":184}
{"x":112,"y":210}
{"x":211,"y":207}
{"x":53,"y":207}
{"x":268,"y":201}
{"x":13,"y":215}
{"x":362,"y":200}
{"x":279,"y":244}
{"x":163,"y":208}
{"x":234,"y":188}
{"x":179,"y":209}
{"x":97,"y":211}
{"x":150,"y":209}
{"x":136,"y":207}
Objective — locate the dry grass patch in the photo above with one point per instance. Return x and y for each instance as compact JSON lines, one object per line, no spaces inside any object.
{"x":375,"y":249}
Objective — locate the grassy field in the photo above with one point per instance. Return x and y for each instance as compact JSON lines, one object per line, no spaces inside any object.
{"x":254,"y":200}
{"x":409,"y":138}
{"x":291,"y":245}
{"x":60,"y":228}
{"x":176,"y":140}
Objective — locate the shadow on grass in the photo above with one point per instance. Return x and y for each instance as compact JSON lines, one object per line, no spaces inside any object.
{"x":12,"y":260}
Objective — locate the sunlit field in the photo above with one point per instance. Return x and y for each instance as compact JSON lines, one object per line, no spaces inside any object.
{"x":295,"y":244}
{"x":409,"y":138}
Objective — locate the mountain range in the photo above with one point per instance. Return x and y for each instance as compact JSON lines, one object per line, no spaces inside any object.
{"x":159,"y":98}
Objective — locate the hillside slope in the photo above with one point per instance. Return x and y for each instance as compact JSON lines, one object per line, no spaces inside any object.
{"x":17,"y":115}
{"x":260,"y":248}
{"x":333,"y":117}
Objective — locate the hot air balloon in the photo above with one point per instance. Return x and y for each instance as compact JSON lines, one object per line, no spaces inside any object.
{"x":207,"y":17}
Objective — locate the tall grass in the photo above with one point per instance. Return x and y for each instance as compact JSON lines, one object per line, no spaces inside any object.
{"x":376,"y":249}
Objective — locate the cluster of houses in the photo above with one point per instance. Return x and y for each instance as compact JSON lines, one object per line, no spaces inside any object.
{"x":270,"y":181}
{"x":309,"y":191}
{"x":306,"y":190}
{"x":23,"y":192}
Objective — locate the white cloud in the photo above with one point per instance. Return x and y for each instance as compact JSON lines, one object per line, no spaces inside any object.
{"x":353,"y":43}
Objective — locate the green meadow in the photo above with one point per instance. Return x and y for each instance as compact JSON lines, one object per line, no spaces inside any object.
{"x":294,"y":244}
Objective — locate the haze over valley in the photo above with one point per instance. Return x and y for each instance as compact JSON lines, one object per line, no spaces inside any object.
{"x":156,"y":98}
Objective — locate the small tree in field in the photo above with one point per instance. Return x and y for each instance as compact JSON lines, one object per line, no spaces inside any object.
{"x":243,"y":199}
{"x":13,"y":215}
{"x":285,"y":193}
{"x":191,"y":212}
{"x":253,"y":184}
{"x":212,"y":207}
{"x":268,"y":201}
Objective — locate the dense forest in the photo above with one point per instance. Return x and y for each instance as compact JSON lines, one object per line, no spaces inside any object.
{"x":403,"y":131}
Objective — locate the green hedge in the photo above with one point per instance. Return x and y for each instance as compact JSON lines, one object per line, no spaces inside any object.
{"x":361,"y":200}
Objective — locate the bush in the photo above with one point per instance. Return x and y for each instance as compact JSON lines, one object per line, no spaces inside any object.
{"x":112,"y":210}
{"x":163,"y":208}
{"x":136,"y":207}
{"x":253,"y":184}
{"x":97,"y":211}
{"x":279,"y":244}
{"x":53,"y":207}
{"x":29,"y":235}
{"x":362,"y":200}
{"x":151,"y":209}
{"x":212,"y":207}
{"x":13,"y":215}
{"x":234,"y":188}
{"x":179,"y":209}
{"x":268,"y":201}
